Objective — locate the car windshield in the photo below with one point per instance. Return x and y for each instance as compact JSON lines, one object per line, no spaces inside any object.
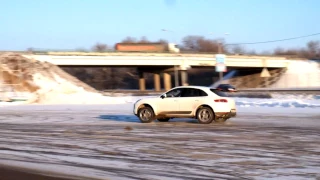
{"x":219,"y":93}
{"x":174,"y":93}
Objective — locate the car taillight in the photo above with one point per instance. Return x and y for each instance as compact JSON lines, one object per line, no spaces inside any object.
{"x":221,"y":100}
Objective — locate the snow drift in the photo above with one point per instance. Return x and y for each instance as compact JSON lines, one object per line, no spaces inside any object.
{"x":45,"y":83}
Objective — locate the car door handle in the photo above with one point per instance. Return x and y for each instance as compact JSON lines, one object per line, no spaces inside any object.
{"x":196,"y":100}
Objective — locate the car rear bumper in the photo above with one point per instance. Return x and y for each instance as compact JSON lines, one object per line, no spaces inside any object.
{"x":230,"y":114}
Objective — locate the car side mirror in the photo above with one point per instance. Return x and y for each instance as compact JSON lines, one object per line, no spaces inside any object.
{"x":163,"y":96}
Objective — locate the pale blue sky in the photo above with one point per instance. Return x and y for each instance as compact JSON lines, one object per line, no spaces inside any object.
{"x":70,"y":24}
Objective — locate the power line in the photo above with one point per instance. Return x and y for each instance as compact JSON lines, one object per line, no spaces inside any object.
{"x":263,"y":42}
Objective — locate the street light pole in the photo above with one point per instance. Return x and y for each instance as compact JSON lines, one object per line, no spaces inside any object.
{"x":176,"y":73}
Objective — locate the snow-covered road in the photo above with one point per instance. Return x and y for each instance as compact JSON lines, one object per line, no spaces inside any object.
{"x":108,"y":142}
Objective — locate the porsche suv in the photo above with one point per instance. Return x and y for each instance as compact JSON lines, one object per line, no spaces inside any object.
{"x":202,"y":103}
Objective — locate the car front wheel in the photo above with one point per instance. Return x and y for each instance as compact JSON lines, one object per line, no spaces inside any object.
{"x":146,"y":115}
{"x":205,"y":115}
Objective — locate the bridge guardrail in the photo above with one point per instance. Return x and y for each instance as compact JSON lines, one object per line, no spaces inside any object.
{"x":89,"y":53}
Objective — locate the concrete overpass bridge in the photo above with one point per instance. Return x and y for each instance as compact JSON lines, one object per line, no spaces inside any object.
{"x":157,"y":63}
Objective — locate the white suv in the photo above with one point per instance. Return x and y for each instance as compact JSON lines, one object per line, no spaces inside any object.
{"x":202,"y":103}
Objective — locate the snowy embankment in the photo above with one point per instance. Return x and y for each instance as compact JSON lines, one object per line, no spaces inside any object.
{"x":300,"y":74}
{"x":278,"y":100}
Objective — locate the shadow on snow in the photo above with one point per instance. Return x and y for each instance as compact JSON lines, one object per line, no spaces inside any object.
{"x":132,"y":118}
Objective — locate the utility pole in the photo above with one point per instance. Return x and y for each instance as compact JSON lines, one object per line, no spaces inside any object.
{"x":220,"y":51}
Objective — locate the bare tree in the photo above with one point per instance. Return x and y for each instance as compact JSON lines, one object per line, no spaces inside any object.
{"x":313,"y":49}
{"x":313,"y":46}
{"x":129,"y":40}
{"x":200,"y":44}
{"x":278,"y":51}
{"x":251,"y":52}
{"x":265,"y":53}
{"x":303,"y":53}
{"x":100,"y":47}
{"x":238,"y":49}
{"x":162,"y":41}
{"x":144,"y":40}
{"x":191,"y":42}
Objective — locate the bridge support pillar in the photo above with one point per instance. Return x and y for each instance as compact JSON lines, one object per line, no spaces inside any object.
{"x":167,"y":81}
{"x":142,"y":82}
{"x":156,"y":79}
{"x":184,"y":78}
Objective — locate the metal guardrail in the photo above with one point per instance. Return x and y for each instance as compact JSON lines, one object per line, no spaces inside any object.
{"x":90,"y":53}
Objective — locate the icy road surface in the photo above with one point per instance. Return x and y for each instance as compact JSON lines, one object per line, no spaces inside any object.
{"x":108,"y":142}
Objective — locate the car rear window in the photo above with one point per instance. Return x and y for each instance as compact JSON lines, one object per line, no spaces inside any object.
{"x":219,"y":93}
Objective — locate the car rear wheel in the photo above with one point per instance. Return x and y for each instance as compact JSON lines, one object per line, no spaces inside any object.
{"x":163,"y":119}
{"x":146,"y":114}
{"x":205,"y":115}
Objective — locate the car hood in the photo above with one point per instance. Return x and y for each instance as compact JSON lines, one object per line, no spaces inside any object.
{"x":147,"y":99}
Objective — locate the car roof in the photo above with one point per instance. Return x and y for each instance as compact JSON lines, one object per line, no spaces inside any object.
{"x":204,"y":88}
{"x":196,"y":87}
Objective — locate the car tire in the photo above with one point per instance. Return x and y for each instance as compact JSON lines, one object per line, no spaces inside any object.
{"x":205,"y":115}
{"x":146,"y":114}
{"x":163,"y":119}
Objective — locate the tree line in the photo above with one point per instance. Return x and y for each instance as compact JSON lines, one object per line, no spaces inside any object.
{"x":194,"y":43}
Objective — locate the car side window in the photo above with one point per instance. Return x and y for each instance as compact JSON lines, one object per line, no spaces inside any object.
{"x":191,"y":92}
{"x":174,"y":93}
{"x":202,"y":93}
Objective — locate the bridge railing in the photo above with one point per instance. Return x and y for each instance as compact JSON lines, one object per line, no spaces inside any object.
{"x":106,"y":53}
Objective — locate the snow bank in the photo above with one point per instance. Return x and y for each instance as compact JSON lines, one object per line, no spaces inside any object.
{"x":296,"y":96}
{"x":285,"y":101}
{"x":58,"y":90}
{"x":55,"y":97}
{"x":45,"y":83}
{"x":300,"y":74}
{"x":282,"y":100}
